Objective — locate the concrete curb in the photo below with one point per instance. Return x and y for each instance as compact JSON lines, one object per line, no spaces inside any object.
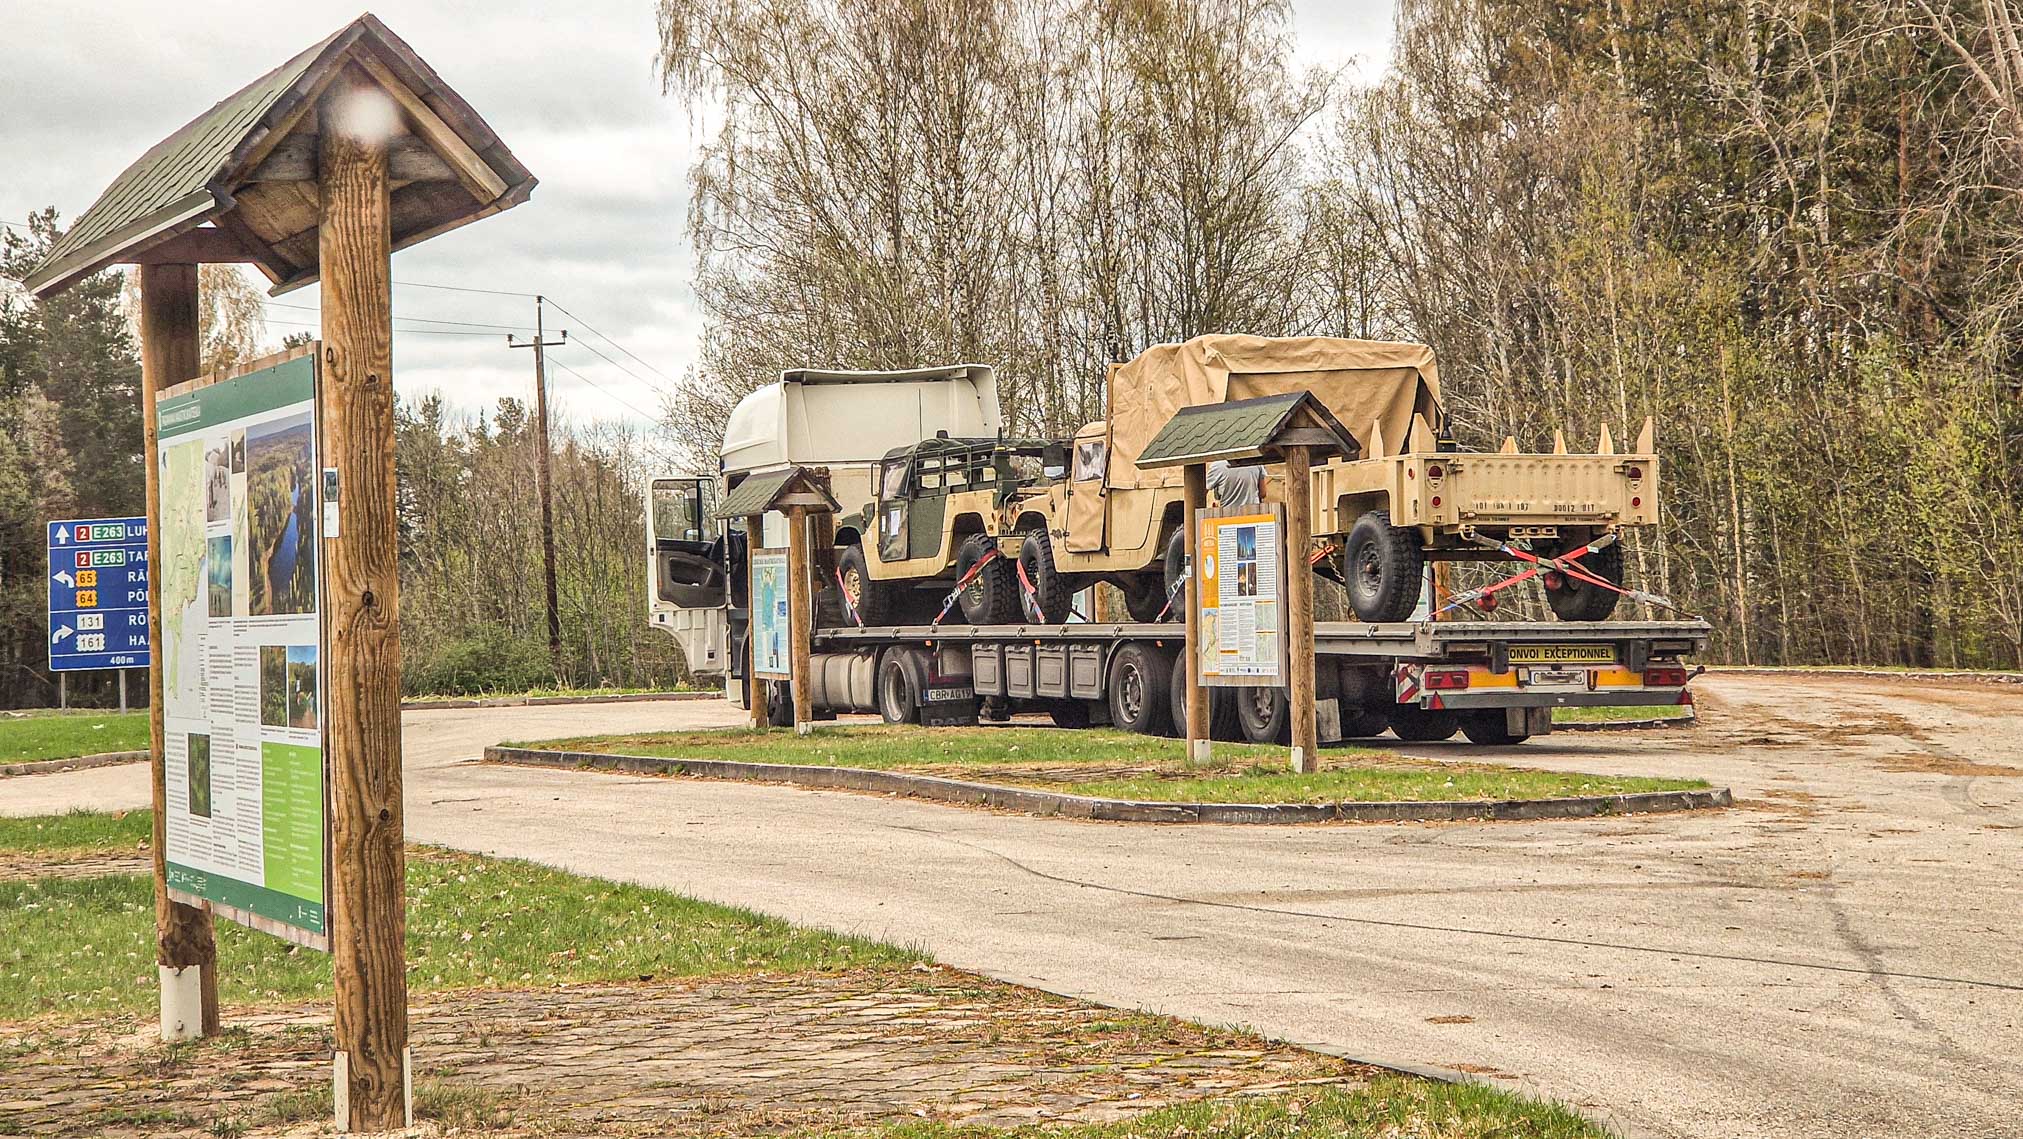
{"x":1659,"y":723}
{"x":534,"y":701}
{"x":1036,"y":802}
{"x":78,"y":763}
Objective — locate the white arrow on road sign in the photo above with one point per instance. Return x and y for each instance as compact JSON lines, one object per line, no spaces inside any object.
{"x":63,"y":535}
{"x":64,"y":577}
{"x":61,"y":633}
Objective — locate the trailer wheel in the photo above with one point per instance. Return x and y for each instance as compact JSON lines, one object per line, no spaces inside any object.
{"x":876,"y":602}
{"x":1051,"y":597}
{"x":1414,"y":724}
{"x":898,"y":696}
{"x":1264,"y":714}
{"x":1222,"y":723}
{"x":1361,"y":725}
{"x":1140,"y":689}
{"x":1382,"y":567}
{"x":1575,"y":600}
{"x":993,"y":597}
{"x":1490,"y":727}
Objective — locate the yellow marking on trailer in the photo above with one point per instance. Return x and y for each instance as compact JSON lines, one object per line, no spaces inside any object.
{"x":1562,"y":654}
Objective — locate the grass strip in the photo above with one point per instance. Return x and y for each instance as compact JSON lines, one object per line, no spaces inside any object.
{"x":33,"y":736}
{"x":81,"y":945}
{"x":1617,"y":715}
{"x":1049,"y":759}
{"x":80,"y":832}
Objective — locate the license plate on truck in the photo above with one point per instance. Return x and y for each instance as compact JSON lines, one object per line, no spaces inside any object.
{"x":1562,"y":654}
{"x":1556,"y":679}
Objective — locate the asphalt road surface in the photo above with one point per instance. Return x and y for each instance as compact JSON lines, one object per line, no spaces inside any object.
{"x":1836,"y":956}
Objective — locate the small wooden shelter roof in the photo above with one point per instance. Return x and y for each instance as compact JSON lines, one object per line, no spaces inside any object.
{"x":774,"y":490}
{"x":248,"y":167}
{"x":1246,"y":429}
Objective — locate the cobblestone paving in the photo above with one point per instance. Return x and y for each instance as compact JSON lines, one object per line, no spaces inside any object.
{"x":746,"y":1056}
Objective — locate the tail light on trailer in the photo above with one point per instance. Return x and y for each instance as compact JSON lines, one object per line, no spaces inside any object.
{"x":1665,"y":676}
{"x":1447,"y":679}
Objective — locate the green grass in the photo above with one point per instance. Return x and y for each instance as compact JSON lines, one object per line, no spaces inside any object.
{"x":80,"y":832}
{"x":1616,"y":715}
{"x":81,"y":945}
{"x":26,"y":738}
{"x":885,"y":746}
{"x":1390,"y":1107}
{"x":1334,"y":784}
{"x":1239,"y":773}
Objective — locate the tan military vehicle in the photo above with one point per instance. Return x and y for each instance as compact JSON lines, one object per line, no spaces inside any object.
{"x":1382,"y":514}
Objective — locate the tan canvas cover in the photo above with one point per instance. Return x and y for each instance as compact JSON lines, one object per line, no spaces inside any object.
{"x":1359,"y":381}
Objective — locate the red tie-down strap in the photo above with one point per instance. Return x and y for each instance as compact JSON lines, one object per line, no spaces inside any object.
{"x":962,"y":583}
{"x":1568,"y":563}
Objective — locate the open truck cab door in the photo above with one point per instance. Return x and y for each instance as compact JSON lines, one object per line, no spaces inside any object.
{"x":691,"y":567}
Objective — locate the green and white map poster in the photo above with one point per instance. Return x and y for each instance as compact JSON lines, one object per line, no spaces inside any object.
{"x":772,"y":636}
{"x":241,"y":647}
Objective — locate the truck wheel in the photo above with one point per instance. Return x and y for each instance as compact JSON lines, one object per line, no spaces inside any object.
{"x":1069,"y":713}
{"x":1422,"y":725}
{"x":1222,"y":723}
{"x":1576,"y":600}
{"x":1382,"y":567}
{"x":993,"y":597}
{"x":779,"y":703}
{"x":876,"y":602}
{"x":1363,"y":725}
{"x":1145,"y":597}
{"x":1051,"y":598}
{"x":1489,"y":727}
{"x":1265,"y":715}
{"x":898,"y":699}
{"x":1141,"y":695}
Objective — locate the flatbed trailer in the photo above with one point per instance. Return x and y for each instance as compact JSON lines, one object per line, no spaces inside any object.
{"x":1494,"y":681}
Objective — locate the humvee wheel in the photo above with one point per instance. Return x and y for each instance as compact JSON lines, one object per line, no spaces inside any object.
{"x":993,"y":597}
{"x":1145,"y":597}
{"x":1051,"y":597}
{"x":1382,"y":567}
{"x":1575,"y":600}
{"x":875,"y":602}
{"x":1176,"y":568}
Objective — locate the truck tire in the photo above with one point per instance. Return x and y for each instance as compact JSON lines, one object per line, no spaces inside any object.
{"x":1414,"y":724}
{"x":1145,"y":597}
{"x":1051,"y":597}
{"x":1382,"y":568}
{"x":1069,"y":713}
{"x":1361,"y":725}
{"x":876,"y":602}
{"x":779,"y":703}
{"x":1222,"y":725}
{"x":1490,"y":727}
{"x":1265,"y":714}
{"x":1141,"y":690}
{"x":1576,"y":600}
{"x":993,"y":598}
{"x":898,"y":696}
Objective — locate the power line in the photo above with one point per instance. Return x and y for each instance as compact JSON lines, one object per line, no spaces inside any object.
{"x":413,"y":331}
{"x":464,"y":289}
{"x":605,"y":390}
{"x":592,"y":349}
{"x":607,"y":339}
{"x":490,"y":328}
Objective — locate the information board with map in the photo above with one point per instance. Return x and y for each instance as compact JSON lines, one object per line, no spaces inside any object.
{"x":1242,"y":564}
{"x":772,"y":629}
{"x":241,"y":647}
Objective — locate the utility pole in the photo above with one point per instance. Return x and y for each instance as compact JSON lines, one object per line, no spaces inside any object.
{"x":543,"y":478}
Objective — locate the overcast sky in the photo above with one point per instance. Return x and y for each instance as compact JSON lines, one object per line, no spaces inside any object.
{"x":571,"y":89}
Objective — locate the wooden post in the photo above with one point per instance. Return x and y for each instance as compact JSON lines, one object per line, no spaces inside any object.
{"x":1194,"y":494}
{"x":755,"y":535}
{"x":800,"y":615}
{"x":184,"y":939}
{"x":368,"y":926}
{"x":1299,"y":609}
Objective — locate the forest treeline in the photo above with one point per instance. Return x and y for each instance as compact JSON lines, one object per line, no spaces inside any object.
{"x":1788,"y":229}
{"x":472,"y":610}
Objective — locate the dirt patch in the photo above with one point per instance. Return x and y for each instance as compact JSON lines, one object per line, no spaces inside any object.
{"x":747,"y":1056}
{"x":20,"y":865}
{"x":1934,"y":763}
{"x":1450,"y":1020}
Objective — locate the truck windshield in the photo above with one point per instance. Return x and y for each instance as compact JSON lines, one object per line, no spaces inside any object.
{"x":678,"y":510}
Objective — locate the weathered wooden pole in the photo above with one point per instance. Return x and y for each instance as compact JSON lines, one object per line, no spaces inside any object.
{"x":800,"y":615}
{"x":1194,"y":492}
{"x":1299,"y":609}
{"x":185,"y":945}
{"x":755,"y":533}
{"x":368,"y":927}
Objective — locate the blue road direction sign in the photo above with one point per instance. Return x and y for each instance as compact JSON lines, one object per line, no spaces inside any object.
{"x":98,"y":594}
